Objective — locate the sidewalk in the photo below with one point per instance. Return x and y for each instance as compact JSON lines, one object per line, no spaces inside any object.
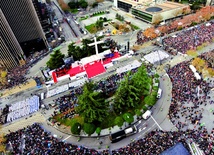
{"x":19,"y":88}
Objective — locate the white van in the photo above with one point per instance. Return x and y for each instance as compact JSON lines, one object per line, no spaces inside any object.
{"x":147,"y":114}
{"x":159,"y":93}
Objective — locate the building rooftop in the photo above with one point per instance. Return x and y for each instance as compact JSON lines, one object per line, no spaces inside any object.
{"x":148,"y":5}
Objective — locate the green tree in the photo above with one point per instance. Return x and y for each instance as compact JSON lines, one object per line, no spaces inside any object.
{"x":76,"y":128}
{"x":99,"y":24}
{"x":119,"y":121}
{"x":72,"y":5}
{"x":84,"y":51}
{"x":150,"y":100}
{"x":56,"y":60}
{"x":128,"y":117}
{"x":127,"y":96}
{"x":98,"y":130}
{"x":138,"y":112}
{"x":91,"y":104}
{"x":89,"y":128}
{"x":83,"y":4}
{"x":105,"y":19}
{"x":71,"y":49}
{"x":141,"y":80}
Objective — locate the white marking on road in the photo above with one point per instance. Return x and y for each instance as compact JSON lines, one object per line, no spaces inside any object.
{"x":66,"y":138}
{"x":146,"y":131}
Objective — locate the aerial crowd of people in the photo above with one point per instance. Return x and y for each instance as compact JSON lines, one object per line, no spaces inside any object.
{"x":17,"y":76}
{"x":190,"y":38}
{"x":36,"y":140}
{"x":189,"y":96}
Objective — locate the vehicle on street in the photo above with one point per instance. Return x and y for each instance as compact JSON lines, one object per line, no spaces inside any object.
{"x":147,"y":114}
{"x":115,"y":137}
{"x":159,"y":93}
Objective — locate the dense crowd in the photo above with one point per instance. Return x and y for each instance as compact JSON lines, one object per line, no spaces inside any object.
{"x":189,"y":100}
{"x":67,"y":103}
{"x":141,"y":38}
{"x":35,"y":140}
{"x":189,"y":39}
{"x":156,"y":142}
{"x":188,"y":96}
{"x":17,"y":75}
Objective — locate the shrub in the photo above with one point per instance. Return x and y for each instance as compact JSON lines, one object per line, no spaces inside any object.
{"x":150,"y":100}
{"x":76,"y":128}
{"x":138,"y":112}
{"x":145,"y":108}
{"x":156,"y":75}
{"x":98,"y":130}
{"x":128,"y":117}
{"x":119,"y":121}
{"x":89,"y":128}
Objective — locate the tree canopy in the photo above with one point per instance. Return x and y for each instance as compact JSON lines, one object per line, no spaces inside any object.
{"x":91,"y":104}
{"x":84,"y":51}
{"x":141,"y":80}
{"x":119,"y":121}
{"x":56,"y":60}
{"x":89,"y":128}
{"x":76,"y":128}
{"x":127,"y":96}
{"x":128,"y":117}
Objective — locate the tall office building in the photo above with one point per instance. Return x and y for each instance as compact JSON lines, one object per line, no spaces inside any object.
{"x":24,"y":22}
{"x":43,"y":15}
{"x":11,"y":53}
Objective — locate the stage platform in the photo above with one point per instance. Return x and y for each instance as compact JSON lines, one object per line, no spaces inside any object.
{"x":92,"y":69}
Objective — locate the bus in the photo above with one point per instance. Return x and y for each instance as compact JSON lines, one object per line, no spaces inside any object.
{"x":115,"y":137}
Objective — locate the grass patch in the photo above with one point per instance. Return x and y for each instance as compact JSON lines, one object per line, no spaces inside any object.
{"x":91,"y":28}
{"x":83,"y":18}
{"x":134,"y":27}
{"x":73,"y":11}
{"x":70,"y":122}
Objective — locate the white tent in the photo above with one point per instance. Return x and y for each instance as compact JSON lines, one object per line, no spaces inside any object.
{"x":93,"y":58}
{"x":156,"y":56}
{"x":133,"y":65}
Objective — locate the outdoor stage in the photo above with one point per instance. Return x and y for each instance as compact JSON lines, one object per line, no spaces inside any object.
{"x":92,"y":69}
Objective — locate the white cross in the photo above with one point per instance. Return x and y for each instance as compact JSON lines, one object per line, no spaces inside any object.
{"x":96,"y":43}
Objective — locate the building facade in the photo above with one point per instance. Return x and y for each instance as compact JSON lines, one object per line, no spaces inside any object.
{"x":24,"y":22}
{"x":11,"y":53}
{"x":151,"y":11}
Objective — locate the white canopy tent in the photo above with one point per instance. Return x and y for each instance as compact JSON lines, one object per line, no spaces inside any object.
{"x":93,"y":58}
{"x":133,"y":65}
{"x":156,"y":56}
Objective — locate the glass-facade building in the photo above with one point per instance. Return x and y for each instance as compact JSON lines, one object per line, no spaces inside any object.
{"x":10,"y":51}
{"x":24,"y":22}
